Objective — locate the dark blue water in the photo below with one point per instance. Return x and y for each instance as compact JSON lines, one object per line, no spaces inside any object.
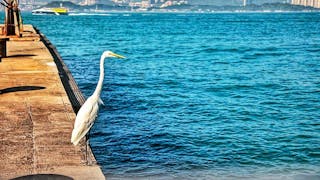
{"x":200,"y":96}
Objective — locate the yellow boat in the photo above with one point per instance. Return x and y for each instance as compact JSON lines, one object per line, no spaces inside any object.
{"x":50,"y":11}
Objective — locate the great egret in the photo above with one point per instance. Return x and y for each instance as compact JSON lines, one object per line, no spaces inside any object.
{"x":88,"y":111}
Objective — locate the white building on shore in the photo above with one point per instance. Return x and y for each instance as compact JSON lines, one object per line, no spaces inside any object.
{"x":312,"y":3}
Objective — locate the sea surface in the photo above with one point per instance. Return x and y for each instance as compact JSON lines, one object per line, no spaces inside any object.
{"x":200,"y":96}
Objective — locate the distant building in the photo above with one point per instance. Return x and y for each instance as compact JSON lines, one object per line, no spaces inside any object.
{"x":247,"y":2}
{"x":118,"y":1}
{"x":135,"y":4}
{"x":145,"y":4}
{"x":90,"y":2}
{"x":312,"y":3}
{"x":173,"y":2}
{"x":166,"y":4}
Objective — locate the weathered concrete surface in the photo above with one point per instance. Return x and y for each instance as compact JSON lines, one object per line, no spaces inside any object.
{"x":36,"y":116}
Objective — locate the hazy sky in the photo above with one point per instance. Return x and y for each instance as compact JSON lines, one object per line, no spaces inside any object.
{"x":231,"y":2}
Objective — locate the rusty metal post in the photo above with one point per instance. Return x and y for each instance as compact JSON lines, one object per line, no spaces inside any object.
{"x":13,"y":20}
{"x":8,"y":21}
{"x":16,"y":18}
{"x":3,"y":47}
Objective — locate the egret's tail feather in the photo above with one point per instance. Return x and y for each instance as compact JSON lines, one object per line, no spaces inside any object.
{"x":74,"y":142}
{"x":78,"y":135}
{"x":75,"y":139}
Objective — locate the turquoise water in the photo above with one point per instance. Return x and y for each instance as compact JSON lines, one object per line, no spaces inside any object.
{"x":200,"y":96}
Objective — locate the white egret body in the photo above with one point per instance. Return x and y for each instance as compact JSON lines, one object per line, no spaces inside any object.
{"x":89,"y":110}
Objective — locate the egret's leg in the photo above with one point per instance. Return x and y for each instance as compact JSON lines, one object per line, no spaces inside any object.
{"x":87,"y":147}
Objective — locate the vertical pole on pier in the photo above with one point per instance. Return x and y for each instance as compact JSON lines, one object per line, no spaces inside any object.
{"x":13,"y":21}
{"x":8,"y":21}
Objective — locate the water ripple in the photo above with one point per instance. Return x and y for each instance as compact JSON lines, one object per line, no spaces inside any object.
{"x":200,"y":96}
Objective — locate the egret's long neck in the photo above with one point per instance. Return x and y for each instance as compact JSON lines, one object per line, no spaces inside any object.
{"x":100,"y":82}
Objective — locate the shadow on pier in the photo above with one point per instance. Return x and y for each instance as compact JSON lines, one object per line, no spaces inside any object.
{"x":20,"y":88}
{"x":43,"y":176}
{"x":21,"y":55}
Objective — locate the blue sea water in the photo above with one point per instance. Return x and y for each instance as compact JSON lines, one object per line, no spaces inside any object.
{"x":200,"y":96}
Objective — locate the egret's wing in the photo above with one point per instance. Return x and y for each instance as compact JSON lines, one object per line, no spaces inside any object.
{"x":84,"y":112}
{"x":84,"y":120}
{"x":90,"y":121}
{"x":94,"y":112}
{"x":84,"y":127}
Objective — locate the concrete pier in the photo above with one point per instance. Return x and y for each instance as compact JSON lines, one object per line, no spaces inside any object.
{"x":38,"y":101}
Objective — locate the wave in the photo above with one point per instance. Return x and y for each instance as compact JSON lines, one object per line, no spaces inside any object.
{"x":218,"y":175}
{"x":90,"y":14}
{"x":268,"y":50}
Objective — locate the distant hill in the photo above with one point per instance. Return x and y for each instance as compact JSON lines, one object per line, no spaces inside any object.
{"x":252,"y":7}
{"x":66,"y":4}
{"x":230,"y":2}
{"x":75,"y":7}
{"x":110,"y":6}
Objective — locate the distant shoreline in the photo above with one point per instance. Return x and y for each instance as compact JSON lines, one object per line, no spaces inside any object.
{"x":183,"y":12}
{"x":185,"y":8}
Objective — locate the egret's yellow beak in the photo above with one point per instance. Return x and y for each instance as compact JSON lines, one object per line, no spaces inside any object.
{"x":117,"y":55}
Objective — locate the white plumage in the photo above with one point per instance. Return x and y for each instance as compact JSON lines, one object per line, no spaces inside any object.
{"x":89,"y":110}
